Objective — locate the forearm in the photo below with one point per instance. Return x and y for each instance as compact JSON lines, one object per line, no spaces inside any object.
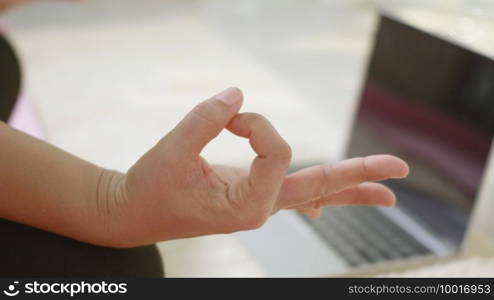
{"x":171,"y":191}
{"x":48,"y":188}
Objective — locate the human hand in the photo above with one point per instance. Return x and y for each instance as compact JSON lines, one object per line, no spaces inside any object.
{"x":172,"y":192}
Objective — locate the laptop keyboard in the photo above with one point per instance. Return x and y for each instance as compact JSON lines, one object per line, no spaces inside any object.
{"x":363,"y":235}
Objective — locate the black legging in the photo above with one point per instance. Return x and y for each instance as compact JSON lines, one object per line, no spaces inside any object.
{"x":10,"y":79}
{"x":29,"y":252}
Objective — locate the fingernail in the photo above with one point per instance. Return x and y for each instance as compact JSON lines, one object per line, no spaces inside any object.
{"x":229,"y":96}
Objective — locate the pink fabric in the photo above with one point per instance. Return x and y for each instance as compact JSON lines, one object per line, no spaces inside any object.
{"x":25,"y":117}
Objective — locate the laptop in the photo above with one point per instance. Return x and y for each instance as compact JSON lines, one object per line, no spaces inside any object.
{"x":430,"y":102}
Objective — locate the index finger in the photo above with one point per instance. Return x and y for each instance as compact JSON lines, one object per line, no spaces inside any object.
{"x":205,"y":122}
{"x":318,"y":181}
{"x":273,"y":154}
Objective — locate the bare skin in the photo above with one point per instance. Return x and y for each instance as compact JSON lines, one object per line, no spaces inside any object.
{"x":171,"y":191}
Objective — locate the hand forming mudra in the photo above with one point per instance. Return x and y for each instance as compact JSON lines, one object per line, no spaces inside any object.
{"x":172,"y":192}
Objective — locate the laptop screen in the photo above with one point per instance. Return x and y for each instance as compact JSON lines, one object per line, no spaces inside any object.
{"x":431,"y":103}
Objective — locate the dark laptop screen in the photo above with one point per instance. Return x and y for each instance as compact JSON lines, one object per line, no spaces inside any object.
{"x":432,"y":103}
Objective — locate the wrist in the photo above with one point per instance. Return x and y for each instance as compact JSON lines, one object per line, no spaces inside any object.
{"x":107,"y":208}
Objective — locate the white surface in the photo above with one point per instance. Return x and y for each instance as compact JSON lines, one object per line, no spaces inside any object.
{"x":209,"y":256}
{"x":471,"y":267}
{"x":287,"y":247}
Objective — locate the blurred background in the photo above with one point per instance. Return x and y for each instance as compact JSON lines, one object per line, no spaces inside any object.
{"x":110,"y":77}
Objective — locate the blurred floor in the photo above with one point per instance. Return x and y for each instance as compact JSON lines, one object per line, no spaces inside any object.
{"x":111,"y":77}
{"x":149,"y":62}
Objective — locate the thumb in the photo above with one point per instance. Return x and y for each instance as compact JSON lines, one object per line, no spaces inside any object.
{"x":205,"y":121}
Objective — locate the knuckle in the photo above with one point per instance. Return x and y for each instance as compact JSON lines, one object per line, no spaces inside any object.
{"x":255,"y":117}
{"x":206,"y":114}
{"x":325,"y":179}
{"x":365,"y":173}
{"x":325,"y":173}
{"x":285,"y":152}
{"x":252,"y":221}
{"x":249,"y":217}
{"x":249,"y":212}
{"x":317,"y":204}
{"x":281,"y":157}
